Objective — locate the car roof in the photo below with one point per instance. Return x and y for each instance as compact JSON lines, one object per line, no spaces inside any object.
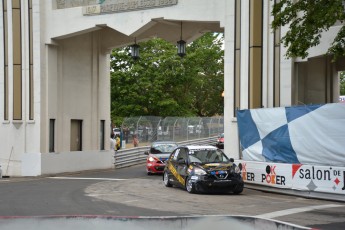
{"x":192,"y":147}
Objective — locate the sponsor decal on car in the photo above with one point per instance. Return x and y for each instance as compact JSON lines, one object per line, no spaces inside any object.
{"x":212,"y":165}
{"x":176,"y":175}
{"x":223,"y":166}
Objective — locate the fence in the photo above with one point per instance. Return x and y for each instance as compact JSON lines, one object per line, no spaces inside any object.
{"x":151,"y":128}
{"x":134,"y":156}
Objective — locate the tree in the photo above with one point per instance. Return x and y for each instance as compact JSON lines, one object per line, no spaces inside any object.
{"x":207,"y":54}
{"x":307,"y":19}
{"x":342,"y":83}
{"x":160,"y":83}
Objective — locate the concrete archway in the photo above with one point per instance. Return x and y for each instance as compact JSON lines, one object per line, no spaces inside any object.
{"x":75,"y":43}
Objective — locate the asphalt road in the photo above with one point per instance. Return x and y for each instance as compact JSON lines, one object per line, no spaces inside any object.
{"x":130,"y":192}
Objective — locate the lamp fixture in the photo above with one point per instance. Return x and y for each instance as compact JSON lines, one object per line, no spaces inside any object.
{"x":181,"y":46}
{"x":135,"y":50}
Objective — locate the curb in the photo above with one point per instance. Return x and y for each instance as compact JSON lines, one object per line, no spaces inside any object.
{"x":299,"y":193}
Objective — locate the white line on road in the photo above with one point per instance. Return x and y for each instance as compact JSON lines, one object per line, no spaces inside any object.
{"x":83,"y":178}
{"x":297,"y":210}
{"x":130,"y":201}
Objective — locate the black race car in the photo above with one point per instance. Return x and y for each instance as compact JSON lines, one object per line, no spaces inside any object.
{"x":202,"y":169}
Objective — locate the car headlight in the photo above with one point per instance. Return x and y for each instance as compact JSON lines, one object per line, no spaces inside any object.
{"x":199,"y":171}
{"x":235,"y":169}
{"x":152,"y":159}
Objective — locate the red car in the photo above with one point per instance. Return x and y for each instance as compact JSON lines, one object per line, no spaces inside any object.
{"x":220,"y":141}
{"x":157,"y":155}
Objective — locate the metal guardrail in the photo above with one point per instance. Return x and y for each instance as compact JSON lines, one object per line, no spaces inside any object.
{"x":133,"y":156}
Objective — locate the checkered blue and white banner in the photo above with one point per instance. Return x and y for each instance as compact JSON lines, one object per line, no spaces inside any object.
{"x":311,"y":134}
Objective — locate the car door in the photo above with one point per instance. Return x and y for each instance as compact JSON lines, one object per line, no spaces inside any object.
{"x":175,"y":167}
{"x":172,"y":165}
{"x":182,"y":166}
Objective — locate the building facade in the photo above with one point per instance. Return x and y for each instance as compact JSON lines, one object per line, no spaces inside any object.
{"x":55,"y":84}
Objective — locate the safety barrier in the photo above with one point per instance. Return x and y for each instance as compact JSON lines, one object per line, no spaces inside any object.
{"x":310,"y":181}
{"x":134,"y":156}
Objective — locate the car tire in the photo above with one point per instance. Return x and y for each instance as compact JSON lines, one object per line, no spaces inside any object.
{"x":190,"y":186}
{"x":238,"y":189}
{"x":166,"y":180}
{"x":149,"y":173}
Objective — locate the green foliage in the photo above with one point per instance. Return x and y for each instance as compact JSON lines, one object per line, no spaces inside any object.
{"x":307,"y":20}
{"x":160,"y":83}
{"x":342,"y":83}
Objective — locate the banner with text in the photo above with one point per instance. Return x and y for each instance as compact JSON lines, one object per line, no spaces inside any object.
{"x":327,"y":179}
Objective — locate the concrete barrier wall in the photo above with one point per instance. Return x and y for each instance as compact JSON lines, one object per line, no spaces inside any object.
{"x":36,"y":164}
{"x":76,"y":161}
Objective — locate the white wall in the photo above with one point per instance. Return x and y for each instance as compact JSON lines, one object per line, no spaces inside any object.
{"x":286,"y":73}
{"x":36,"y":164}
{"x":18,"y":137}
{"x":230,"y":124}
{"x":76,"y":161}
{"x":75,"y":81}
{"x":128,"y":23}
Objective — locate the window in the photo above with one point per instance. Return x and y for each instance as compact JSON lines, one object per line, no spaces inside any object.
{"x":255,"y":53}
{"x":31,"y":78}
{"x":76,"y":135}
{"x":52,"y":135}
{"x":342,"y":86}
{"x":5,"y":34}
{"x":101,"y":134}
{"x":276,"y":67}
{"x":17,"y":60}
{"x":182,"y":155}
{"x":237,"y":66}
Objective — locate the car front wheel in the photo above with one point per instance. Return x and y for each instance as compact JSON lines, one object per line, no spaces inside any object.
{"x":238,"y":189}
{"x":166,"y":180}
{"x":190,"y":186}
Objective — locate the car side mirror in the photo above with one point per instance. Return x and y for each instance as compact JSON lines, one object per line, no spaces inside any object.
{"x":232,"y":160}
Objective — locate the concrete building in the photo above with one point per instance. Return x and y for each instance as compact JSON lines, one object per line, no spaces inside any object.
{"x":55,"y":85}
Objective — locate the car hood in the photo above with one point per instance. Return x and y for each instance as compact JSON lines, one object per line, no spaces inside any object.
{"x":209,"y":167}
{"x":161,"y":156}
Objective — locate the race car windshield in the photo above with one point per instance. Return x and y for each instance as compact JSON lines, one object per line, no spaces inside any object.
{"x":162,"y":148}
{"x":204,"y":156}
